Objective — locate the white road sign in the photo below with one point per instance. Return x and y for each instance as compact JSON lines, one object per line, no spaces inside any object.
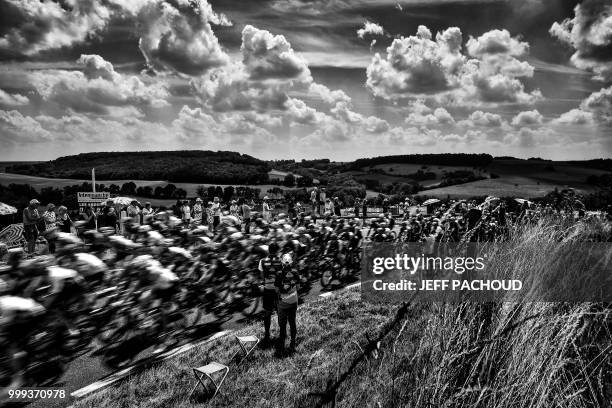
{"x":92,"y":199}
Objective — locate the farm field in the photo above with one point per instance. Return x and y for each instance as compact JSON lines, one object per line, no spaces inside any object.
{"x":5,"y":164}
{"x":530,"y":179}
{"x":515,"y":186}
{"x":402,"y":170}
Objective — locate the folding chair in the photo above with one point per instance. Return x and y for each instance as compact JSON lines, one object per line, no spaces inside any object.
{"x":243,"y":342}
{"x":206,"y":372}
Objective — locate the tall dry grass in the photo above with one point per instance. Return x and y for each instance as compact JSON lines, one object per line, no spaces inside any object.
{"x":503,"y":355}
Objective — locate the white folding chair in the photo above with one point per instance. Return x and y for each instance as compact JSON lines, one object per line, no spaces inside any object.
{"x":247,"y":345}
{"x":207,"y":372}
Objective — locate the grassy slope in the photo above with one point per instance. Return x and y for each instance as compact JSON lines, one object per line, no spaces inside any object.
{"x":326,"y":328}
{"x":464,"y":355}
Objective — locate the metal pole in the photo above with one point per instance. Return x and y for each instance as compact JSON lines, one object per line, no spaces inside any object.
{"x":93,"y":185}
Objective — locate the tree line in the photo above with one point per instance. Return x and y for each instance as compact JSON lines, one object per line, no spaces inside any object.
{"x":444,"y":159}
{"x":19,"y":195}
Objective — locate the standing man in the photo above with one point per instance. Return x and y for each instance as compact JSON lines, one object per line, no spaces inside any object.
{"x":186,"y":213}
{"x":246,"y":216}
{"x":337,"y":210}
{"x":133,"y":212}
{"x":31,"y":217}
{"x":108,"y":215}
{"x":50,"y":224}
{"x":291,"y":211}
{"x":364,"y":209}
{"x":313,"y":200}
{"x":216,"y":209}
{"x":322,"y":197}
{"x":287,"y":286}
{"x":270,"y":268}
{"x":147,"y":211}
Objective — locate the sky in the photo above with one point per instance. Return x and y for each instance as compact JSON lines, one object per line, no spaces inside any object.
{"x":295,"y":79}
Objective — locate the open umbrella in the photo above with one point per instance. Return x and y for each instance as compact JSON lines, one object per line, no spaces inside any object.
{"x":230,"y":220}
{"x":522,"y":201}
{"x":431,"y":201}
{"x":123,"y":200}
{"x":6,"y":209}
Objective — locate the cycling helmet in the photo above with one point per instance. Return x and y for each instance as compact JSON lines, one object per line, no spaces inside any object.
{"x":286,"y":260}
{"x":273,"y":248}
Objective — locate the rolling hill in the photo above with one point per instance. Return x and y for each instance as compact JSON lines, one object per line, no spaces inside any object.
{"x":176,"y":166}
{"x":438,"y":175}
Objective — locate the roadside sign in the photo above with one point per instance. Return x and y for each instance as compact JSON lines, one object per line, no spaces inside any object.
{"x":91,"y":199}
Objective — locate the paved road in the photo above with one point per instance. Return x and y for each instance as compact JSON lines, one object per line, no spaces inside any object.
{"x":88,"y":369}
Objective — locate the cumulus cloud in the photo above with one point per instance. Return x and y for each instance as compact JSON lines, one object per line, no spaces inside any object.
{"x":82,"y":128}
{"x":262,"y":80}
{"x":528,"y":118}
{"x":327,"y":95}
{"x":268,"y":56}
{"x":590,"y":34}
{"x":301,"y":114}
{"x":97,"y":88}
{"x":418,"y":66}
{"x":196,"y":126}
{"x":439,"y":116}
{"x":7,"y":99}
{"x":192,"y":127}
{"x":174,"y":35}
{"x":194,"y":123}
{"x":17,"y":128}
{"x":596,"y":109}
{"x":45,"y":25}
{"x":484,"y":119}
{"x":370,"y":29}
{"x":575,"y":117}
{"x":178,"y":36}
{"x":231,"y":89}
{"x":370,"y":124}
{"x":600,"y":105}
{"x":528,"y":137}
{"x":496,"y":42}
{"x":272,"y":79}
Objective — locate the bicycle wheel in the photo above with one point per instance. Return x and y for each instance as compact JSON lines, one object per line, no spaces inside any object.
{"x":251,"y":301}
{"x":193,"y":316}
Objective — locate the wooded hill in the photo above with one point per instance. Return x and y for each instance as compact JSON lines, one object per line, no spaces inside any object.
{"x":195,"y":166}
